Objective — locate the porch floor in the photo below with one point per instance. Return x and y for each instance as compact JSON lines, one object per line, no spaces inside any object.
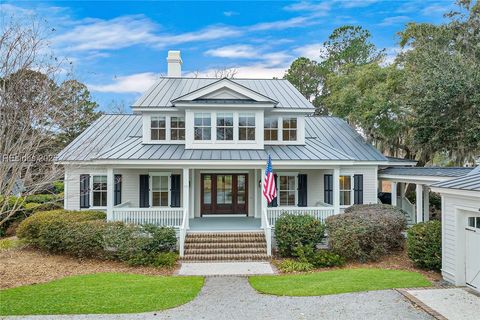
{"x":225,"y":224}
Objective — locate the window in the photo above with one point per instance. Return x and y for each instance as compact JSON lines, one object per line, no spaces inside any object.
{"x":177,"y":128}
{"x":287,"y":190}
{"x":160,"y":191}
{"x":289,"y":129}
{"x":203,"y":126}
{"x":99,"y":191}
{"x":246,"y":126}
{"x":474,"y":222}
{"x":224,"y":126}
{"x":345,"y":190}
{"x":270,"y":131}
{"x":157,"y":128}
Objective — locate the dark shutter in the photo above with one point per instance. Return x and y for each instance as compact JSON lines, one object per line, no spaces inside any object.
{"x":175,"y":190}
{"x":144,"y":191}
{"x":358,"y":189}
{"x":328,"y":188}
{"x":302,"y":190}
{"x":117,"y":190}
{"x":274,"y":202}
{"x":84,"y":191}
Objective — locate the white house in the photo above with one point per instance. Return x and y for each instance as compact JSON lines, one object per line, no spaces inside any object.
{"x":461,"y":229}
{"x":193,"y":154}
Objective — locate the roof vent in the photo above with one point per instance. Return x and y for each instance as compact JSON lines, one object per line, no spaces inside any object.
{"x":174,"y":64}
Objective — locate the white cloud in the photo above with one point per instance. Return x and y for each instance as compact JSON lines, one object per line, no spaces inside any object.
{"x":234,"y":51}
{"x":357,"y":3}
{"x":229,"y":13}
{"x":311,"y":51}
{"x":138,"y":83}
{"x":394,"y":20}
{"x":435,"y":10}
{"x":308,"y":6}
{"x":209,"y":33}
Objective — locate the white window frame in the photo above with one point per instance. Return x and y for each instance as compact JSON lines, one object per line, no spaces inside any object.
{"x":166,"y":120}
{"x":92,"y":191}
{"x":254,"y":127}
{"x":170,"y":128}
{"x":287,"y":174}
{"x":233,"y":126}
{"x":345,"y":190}
{"x":159,"y":174}
{"x":213,"y":128}
{"x":289,"y":129}
{"x":271,"y":129}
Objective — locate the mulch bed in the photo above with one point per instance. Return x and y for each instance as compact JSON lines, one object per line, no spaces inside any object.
{"x":23,"y":266}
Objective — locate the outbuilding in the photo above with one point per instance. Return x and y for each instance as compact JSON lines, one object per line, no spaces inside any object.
{"x":461,"y":229}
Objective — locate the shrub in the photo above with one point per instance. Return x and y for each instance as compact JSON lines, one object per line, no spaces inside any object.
{"x":294,"y":230}
{"x":42,"y":198}
{"x":289,"y":265}
{"x":58,"y":187}
{"x":319,"y":258}
{"x":366,"y":232}
{"x":424,"y":245}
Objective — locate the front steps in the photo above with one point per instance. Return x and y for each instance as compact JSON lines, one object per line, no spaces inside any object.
{"x":225,"y":246}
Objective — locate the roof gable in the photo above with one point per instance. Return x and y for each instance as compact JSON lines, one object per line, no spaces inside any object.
{"x":223,"y":89}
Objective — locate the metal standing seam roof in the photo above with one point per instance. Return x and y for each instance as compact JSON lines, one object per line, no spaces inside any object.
{"x":167,"y":89}
{"x":470,"y":182}
{"x":119,"y":137}
{"x":426,"y":171}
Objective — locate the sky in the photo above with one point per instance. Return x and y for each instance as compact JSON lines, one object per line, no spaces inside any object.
{"x":119,"y":48}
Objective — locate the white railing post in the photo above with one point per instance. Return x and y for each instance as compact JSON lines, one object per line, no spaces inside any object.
{"x":419,"y":202}
{"x":268,"y":231}
{"x":394,"y":194}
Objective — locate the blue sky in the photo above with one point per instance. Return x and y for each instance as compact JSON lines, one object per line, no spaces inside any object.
{"x":119,"y":48}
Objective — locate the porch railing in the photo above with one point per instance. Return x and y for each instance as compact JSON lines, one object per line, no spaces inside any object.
{"x":320,"y":213}
{"x":167,"y":217}
{"x":267,"y":228}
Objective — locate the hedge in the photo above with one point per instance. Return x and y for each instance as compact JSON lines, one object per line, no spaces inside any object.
{"x":292,"y":231}
{"x":424,"y":245}
{"x":87,"y":234}
{"x":366,"y":232}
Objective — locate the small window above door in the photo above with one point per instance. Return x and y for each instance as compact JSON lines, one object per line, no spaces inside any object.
{"x":473,"y":222}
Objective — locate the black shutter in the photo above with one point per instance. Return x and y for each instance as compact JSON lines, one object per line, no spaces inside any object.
{"x":84,"y":191}
{"x":358,"y":189}
{"x":175,"y":190}
{"x":117,"y":191}
{"x":274,"y":202}
{"x":328,"y":188}
{"x":302,"y":190}
{"x":144,"y":191}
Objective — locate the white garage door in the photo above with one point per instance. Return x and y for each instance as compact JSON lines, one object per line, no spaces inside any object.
{"x":472,"y":254}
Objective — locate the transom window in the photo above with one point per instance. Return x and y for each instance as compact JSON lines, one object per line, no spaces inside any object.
{"x":160,"y":191}
{"x":177,"y":128}
{"x":157,"y":128}
{"x":270,"y":131}
{"x":289,"y":129}
{"x":345,"y":190}
{"x":246,"y":126}
{"x":287,"y":190}
{"x":203,"y":126}
{"x":99,"y":191}
{"x":474,"y":222}
{"x":224,"y":126}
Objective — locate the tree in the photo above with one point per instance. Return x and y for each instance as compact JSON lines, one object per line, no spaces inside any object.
{"x":306,"y":75}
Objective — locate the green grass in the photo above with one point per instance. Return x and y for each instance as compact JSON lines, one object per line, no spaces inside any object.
{"x":100,"y":293}
{"x":337,"y":281}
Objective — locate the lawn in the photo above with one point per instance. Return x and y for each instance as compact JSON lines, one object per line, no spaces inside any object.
{"x":100,"y":293}
{"x":337,"y":281}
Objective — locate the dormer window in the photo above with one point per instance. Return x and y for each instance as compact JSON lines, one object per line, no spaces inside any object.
{"x":246,"y":126}
{"x":271,"y":129}
{"x":224,"y":126}
{"x":177,"y":128}
{"x":203,"y":126}
{"x":157,"y":128}
{"x":289,"y":129}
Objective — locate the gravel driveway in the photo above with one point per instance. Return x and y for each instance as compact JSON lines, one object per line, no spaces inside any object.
{"x":233,"y":298}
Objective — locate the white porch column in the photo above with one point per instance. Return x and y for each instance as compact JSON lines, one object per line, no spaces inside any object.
{"x":110,"y":193}
{"x":426,"y":204}
{"x":186,"y":189}
{"x":192,"y":194}
{"x":263,"y":201}
{"x":419,"y":202}
{"x":394,"y":194}
{"x":402,"y":192}
{"x":336,"y":190}
{"x":256,"y":191}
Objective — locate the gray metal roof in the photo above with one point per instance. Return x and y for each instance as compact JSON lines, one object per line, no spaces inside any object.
{"x":119,"y":137}
{"x":470,"y":182}
{"x":167,"y":89}
{"x":399,"y":160}
{"x":426,"y":171}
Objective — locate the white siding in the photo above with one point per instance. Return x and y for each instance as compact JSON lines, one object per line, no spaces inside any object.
{"x":370,"y":181}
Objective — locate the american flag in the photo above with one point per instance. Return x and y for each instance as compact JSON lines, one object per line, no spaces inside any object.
{"x":269,"y":188}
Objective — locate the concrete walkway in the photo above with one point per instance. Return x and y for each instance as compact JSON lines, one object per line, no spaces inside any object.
{"x":453,"y":304}
{"x":233,"y":298}
{"x":224,"y":268}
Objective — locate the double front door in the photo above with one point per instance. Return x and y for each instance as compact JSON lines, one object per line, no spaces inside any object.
{"x":224,"y":193}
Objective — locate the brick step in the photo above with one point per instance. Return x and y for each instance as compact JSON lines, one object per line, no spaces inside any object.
{"x":217,"y":251}
{"x":223,"y":239}
{"x":218,"y":245}
{"x":225,"y":257}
